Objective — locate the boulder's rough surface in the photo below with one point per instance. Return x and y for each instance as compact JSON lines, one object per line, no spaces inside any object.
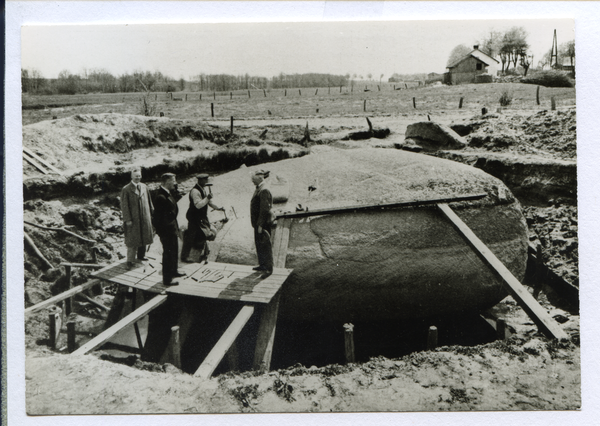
{"x":433,"y":136}
{"x":398,"y":263}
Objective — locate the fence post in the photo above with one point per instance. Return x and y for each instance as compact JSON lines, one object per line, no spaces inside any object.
{"x":265,"y":93}
{"x":316,"y":91}
{"x":460,"y":103}
{"x":537,"y":95}
{"x":174,"y":346}
{"x":68,"y":301}
{"x":231,"y":125}
{"x":215,"y":96}
{"x":200,"y":97}
{"x":230,"y":95}
{"x":365,"y":106}
{"x":329,"y":90}
{"x":71,"y":333}
{"x":285,"y":92}
{"x":553,"y":103}
{"x":186,"y":97}
{"x":378,"y":88}
{"x":300,"y":92}
{"x":414,"y":102}
{"x":249,"y":94}
{"x":483,"y":111}
{"x":212,"y":109}
{"x":54,"y":320}
{"x":340,"y":89}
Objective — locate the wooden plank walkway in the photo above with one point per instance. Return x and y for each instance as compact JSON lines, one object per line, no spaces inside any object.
{"x":212,"y":280}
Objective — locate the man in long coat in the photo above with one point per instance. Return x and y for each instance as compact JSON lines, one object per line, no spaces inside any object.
{"x":137,"y":208}
{"x":167,"y":228}
{"x":262,"y":221}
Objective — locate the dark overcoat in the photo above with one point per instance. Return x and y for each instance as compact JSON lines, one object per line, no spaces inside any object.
{"x":136,"y":206}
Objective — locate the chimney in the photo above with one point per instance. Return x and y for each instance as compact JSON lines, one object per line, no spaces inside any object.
{"x":476,"y":47}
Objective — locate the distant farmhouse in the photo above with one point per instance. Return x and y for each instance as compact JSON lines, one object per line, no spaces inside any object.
{"x":475,"y":67}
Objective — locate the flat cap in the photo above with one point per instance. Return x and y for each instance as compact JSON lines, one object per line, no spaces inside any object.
{"x":263,"y":173}
{"x":202,"y":176}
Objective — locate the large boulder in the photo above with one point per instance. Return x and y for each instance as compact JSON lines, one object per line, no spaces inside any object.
{"x":394,"y":263}
{"x":433,"y":136}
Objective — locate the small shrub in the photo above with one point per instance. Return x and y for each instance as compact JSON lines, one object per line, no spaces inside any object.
{"x":147,"y":107}
{"x":549,"y":78}
{"x":505,"y":99}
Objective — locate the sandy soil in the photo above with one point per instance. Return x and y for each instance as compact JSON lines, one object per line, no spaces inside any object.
{"x":527,"y":372}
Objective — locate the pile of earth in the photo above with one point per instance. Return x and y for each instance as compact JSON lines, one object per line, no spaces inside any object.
{"x":99,"y":142}
{"x":544,"y":132}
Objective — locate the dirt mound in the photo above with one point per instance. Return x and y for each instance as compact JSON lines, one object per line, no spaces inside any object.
{"x":553,"y":132}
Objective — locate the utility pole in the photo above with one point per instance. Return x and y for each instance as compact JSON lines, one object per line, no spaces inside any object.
{"x":554,"y":53}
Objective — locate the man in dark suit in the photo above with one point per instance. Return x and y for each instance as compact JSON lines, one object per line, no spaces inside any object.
{"x":165,"y":223}
{"x":260,"y":217}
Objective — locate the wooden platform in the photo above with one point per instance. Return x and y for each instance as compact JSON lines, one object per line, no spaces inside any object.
{"x":213,"y":280}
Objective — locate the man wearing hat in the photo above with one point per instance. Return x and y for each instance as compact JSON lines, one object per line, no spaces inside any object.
{"x":197,"y":216}
{"x":167,"y":228}
{"x":261,"y":219}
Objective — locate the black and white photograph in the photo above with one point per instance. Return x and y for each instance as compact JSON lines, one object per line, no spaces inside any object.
{"x":332,"y":214}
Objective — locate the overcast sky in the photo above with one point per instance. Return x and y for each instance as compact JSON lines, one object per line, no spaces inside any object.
{"x":266,"y":49}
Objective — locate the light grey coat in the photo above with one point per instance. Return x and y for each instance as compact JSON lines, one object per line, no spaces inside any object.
{"x":136,"y":206}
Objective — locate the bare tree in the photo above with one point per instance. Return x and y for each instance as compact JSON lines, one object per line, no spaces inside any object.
{"x":457,"y":53}
{"x":567,"y":50}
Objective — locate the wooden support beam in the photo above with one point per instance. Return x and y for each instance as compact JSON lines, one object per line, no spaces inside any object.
{"x":37,"y":251}
{"x":501,"y":329}
{"x":94,"y":302}
{"x":538,"y":314}
{"x":84,"y":265}
{"x":268,"y":323}
{"x":71,"y":333}
{"x":35,"y":164}
{"x":136,"y":315}
{"x":47,"y":228}
{"x":410,"y":203}
{"x":220,"y":349}
{"x":138,"y":335}
{"x":62,"y":296}
{"x":69,"y":300}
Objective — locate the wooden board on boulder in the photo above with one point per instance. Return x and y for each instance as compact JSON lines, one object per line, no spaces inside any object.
{"x":398,"y":263}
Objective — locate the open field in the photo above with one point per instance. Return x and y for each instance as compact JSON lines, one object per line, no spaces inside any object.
{"x":274,"y":103}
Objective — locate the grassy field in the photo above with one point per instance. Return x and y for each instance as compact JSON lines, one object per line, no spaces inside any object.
{"x":305,"y":102}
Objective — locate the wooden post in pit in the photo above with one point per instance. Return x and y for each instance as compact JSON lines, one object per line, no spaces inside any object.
{"x":69,"y":301}
{"x":138,"y":336}
{"x":432,"y":338}
{"x":71,"y":321}
{"x":349,"y":342}
{"x":175,"y":347}
{"x":501,"y":329}
{"x":55,"y":324}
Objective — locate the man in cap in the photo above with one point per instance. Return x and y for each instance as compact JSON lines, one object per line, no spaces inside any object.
{"x":197,"y":216}
{"x":165,"y":223}
{"x":137,"y":208}
{"x":262,"y":221}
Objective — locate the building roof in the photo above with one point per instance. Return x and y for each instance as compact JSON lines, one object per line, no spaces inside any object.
{"x":477,"y":54}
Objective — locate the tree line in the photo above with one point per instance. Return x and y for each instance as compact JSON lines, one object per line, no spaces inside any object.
{"x":102,"y":81}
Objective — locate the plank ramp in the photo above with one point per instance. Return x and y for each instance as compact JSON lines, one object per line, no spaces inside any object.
{"x":62,"y":296}
{"x":531,"y":306}
{"x":218,"y":352}
{"x":136,"y":315}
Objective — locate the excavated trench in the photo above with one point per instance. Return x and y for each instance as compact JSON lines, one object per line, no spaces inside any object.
{"x":534,"y":182}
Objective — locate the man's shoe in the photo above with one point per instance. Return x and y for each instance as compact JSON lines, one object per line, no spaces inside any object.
{"x":187,"y":260}
{"x":143,"y":258}
{"x":266,"y":274}
{"x":130,"y":265}
{"x":179,"y":274}
{"x":258,"y":268}
{"x":171,"y":284}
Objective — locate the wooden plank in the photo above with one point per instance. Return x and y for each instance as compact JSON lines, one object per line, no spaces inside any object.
{"x":35,"y":164}
{"x":41,"y":160}
{"x":220,"y":349}
{"x":266,"y":332}
{"x":84,"y":265}
{"x":62,"y":296}
{"x":538,"y":314}
{"x":139,"y":313}
{"x":411,"y":203}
